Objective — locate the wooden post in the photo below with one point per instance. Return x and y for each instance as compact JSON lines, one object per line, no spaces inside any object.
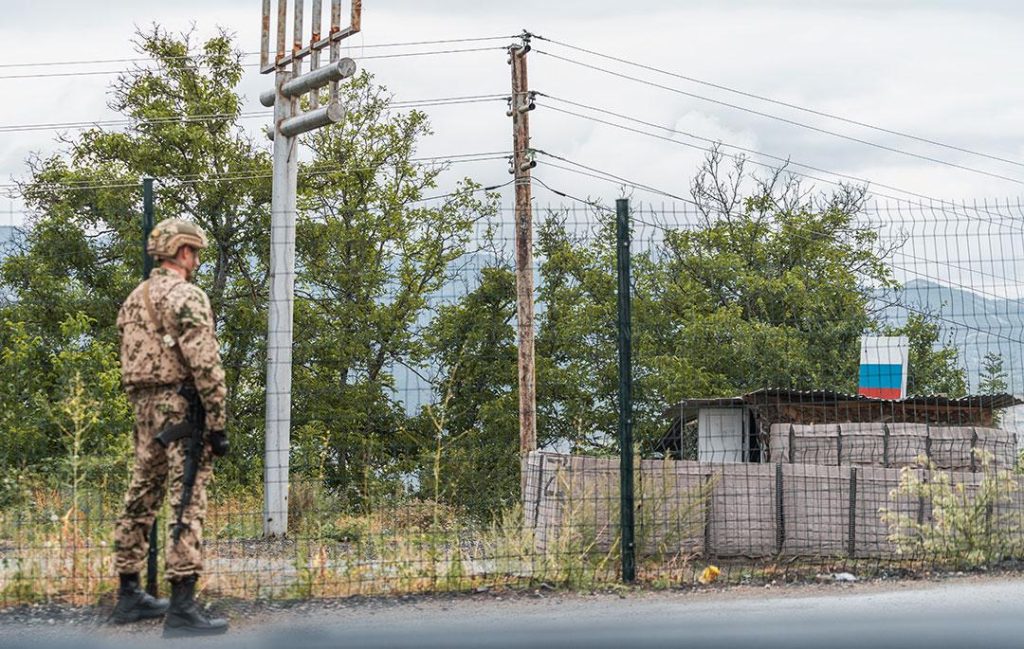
{"x":522,"y":162}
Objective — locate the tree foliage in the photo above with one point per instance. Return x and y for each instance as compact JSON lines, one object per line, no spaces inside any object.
{"x":371,"y":251}
{"x":772,"y":286}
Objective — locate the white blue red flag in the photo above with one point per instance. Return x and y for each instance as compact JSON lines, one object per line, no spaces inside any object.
{"x":883,"y":366}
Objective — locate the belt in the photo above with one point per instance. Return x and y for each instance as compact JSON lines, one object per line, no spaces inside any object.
{"x":144,"y":390}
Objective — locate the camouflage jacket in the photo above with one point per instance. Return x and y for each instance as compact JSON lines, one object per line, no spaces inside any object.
{"x":185,"y":349}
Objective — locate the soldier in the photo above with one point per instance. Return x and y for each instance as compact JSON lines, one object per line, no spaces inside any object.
{"x":168,"y":340}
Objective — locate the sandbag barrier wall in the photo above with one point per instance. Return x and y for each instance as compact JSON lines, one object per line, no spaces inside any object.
{"x":728,"y":510}
{"x":891,"y":445}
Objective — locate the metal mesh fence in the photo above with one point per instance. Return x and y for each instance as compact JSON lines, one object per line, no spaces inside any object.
{"x":755,"y":449}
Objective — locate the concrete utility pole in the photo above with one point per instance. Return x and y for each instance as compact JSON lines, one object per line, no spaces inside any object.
{"x":521,"y":104}
{"x":290,"y":84}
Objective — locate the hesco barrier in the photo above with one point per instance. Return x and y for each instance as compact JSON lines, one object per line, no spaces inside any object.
{"x":757,"y":510}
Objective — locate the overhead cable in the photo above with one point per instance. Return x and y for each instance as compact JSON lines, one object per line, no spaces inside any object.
{"x":785,"y":120}
{"x":786,"y":104}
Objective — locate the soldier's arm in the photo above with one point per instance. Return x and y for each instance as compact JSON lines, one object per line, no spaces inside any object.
{"x":198,"y":340}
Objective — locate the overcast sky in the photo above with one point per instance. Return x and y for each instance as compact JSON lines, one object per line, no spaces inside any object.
{"x":947,"y":71}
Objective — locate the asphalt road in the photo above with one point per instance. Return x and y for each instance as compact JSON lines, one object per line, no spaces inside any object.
{"x":959,"y":613}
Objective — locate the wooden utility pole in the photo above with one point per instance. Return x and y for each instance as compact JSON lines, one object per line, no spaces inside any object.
{"x":522,"y":161}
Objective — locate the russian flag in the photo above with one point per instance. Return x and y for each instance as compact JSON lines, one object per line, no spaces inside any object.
{"x":883,"y":366}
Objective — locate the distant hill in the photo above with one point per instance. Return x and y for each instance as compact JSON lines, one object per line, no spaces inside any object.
{"x":8,"y":235}
{"x":975,"y":324}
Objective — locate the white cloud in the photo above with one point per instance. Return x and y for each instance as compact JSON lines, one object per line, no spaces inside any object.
{"x":941,"y":70}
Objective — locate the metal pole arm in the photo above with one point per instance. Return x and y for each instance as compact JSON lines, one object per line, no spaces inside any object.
{"x":312,"y":120}
{"x":336,"y":71}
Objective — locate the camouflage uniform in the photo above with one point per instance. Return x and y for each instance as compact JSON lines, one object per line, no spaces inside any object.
{"x":156,"y":358}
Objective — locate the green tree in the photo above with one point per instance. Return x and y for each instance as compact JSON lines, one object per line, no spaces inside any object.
{"x":769,"y":286}
{"x":474,"y":423}
{"x":82,"y":253}
{"x":577,"y":367}
{"x":993,"y":380}
{"x":36,"y":378}
{"x":371,"y":251}
{"x":934,"y":368}
{"x":771,"y":289}
{"x":993,"y":374}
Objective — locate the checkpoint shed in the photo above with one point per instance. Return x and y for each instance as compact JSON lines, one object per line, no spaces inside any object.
{"x":831,"y":428}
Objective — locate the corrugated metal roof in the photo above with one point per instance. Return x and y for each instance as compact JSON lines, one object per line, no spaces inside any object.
{"x":770,"y":396}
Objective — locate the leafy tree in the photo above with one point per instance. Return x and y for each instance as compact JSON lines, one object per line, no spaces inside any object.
{"x":371,"y":254}
{"x":993,"y":380}
{"x":470,"y":437}
{"x":577,"y":367}
{"x":82,"y":251}
{"x":934,"y":368}
{"x":771,"y":290}
{"x":771,"y":286}
{"x":993,"y":374}
{"x":35,"y":378}
{"x":371,"y":251}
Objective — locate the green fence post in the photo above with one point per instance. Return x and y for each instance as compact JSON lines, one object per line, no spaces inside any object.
{"x":152,"y":587}
{"x":147,"y":224}
{"x":626,"y":507}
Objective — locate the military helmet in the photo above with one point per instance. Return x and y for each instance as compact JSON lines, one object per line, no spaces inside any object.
{"x":171,"y":234}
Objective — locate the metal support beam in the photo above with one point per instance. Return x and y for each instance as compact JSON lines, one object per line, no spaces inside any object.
{"x":265,"y":35}
{"x":314,"y":99}
{"x":336,"y":71}
{"x":333,"y":39}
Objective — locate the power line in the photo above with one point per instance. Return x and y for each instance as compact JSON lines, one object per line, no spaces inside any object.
{"x":244,"y":54}
{"x":785,"y":120}
{"x":610,"y":177}
{"x":805,"y":109}
{"x":786,"y":161}
{"x":212,"y":117}
{"x":570,"y":196}
{"x":408,"y":54}
{"x":318,"y":171}
{"x":648,"y":188}
{"x":489,"y":188}
{"x":253,"y":65}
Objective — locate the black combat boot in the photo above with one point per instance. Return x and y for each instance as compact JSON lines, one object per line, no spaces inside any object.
{"x":134,"y":604}
{"x":184,"y":617}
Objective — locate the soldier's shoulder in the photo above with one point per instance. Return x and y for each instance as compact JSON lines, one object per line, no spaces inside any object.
{"x":188,"y":300}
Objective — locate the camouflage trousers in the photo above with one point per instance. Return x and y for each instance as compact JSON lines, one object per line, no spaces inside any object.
{"x":156,"y":409}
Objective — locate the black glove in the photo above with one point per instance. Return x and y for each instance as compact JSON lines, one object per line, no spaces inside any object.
{"x":219,"y":445}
